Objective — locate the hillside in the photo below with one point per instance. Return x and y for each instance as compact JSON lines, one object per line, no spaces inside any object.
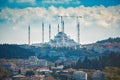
{"x":45,"y":51}
{"x":14,"y":51}
{"x":105,"y":46}
{"x":110,"y":40}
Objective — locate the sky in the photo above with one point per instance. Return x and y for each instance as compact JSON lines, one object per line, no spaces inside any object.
{"x":100,"y":19}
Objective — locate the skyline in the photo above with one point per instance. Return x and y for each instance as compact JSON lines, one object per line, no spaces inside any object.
{"x":101,"y":20}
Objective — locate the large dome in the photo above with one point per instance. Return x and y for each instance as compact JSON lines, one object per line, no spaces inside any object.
{"x":62,"y":40}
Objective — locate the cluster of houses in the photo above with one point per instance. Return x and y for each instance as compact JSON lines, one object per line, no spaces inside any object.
{"x":42,"y":73}
{"x":42,"y":69}
{"x":102,"y":48}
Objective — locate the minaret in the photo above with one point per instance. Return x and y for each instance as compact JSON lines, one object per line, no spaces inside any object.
{"x":62,"y":32}
{"x":49,"y":32}
{"x":63,"y":26}
{"x":78,"y":28}
{"x":78,"y":32}
{"x":42,"y":32}
{"x":58,"y":28}
{"x":29,"y":34}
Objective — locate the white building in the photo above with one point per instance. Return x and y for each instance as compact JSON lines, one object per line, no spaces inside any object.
{"x":43,"y":71}
{"x":58,"y":68}
{"x":18,"y":77}
{"x":80,"y":75}
{"x":62,"y":40}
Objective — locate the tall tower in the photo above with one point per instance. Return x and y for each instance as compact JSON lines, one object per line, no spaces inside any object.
{"x":62,"y":23}
{"x":42,"y":32}
{"x":62,"y":32}
{"x":63,"y":26}
{"x":78,"y":32}
{"x":29,"y":34}
{"x":58,"y":28}
{"x":49,"y":32}
{"x":78,"y":28}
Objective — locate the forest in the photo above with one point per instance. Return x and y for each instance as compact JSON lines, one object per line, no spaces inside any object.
{"x":9,"y":51}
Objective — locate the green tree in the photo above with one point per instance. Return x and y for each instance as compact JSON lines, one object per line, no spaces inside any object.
{"x":30,"y":73}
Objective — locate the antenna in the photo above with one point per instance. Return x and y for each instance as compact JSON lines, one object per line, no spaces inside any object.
{"x":42,"y":32}
{"x":29,"y":34}
{"x":49,"y":32}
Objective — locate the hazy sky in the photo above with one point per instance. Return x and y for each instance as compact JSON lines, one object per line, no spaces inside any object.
{"x":100,"y":19}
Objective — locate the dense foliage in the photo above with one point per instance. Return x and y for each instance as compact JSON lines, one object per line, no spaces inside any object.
{"x":30,"y":73}
{"x":3,"y":73}
{"x":113,"y":73}
{"x":14,"y":51}
{"x":111,"y":60}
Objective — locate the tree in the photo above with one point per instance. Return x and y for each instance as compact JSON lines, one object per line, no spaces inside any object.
{"x":29,"y":73}
{"x":19,"y":71}
{"x":113,"y":73}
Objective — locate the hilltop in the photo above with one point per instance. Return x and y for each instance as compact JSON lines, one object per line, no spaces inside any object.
{"x":54,"y":53}
{"x":110,"y":40}
{"x":105,"y":46}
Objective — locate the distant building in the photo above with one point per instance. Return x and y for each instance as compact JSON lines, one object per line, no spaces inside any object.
{"x":40,"y":77}
{"x":58,"y":68}
{"x":43,"y":71}
{"x":42,"y":63}
{"x":70,"y":70}
{"x":98,"y":75}
{"x":18,"y":77}
{"x":62,"y":40}
{"x":80,"y":75}
{"x":22,"y":77}
{"x":33,"y":59}
{"x":14,"y":68}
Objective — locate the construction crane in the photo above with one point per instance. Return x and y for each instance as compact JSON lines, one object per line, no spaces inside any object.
{"x":77,"y":24}
{"x":62,"y":28}
{"x":78,"y":27}
{"x":77,"y":18}
{"x":62,"y":22}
